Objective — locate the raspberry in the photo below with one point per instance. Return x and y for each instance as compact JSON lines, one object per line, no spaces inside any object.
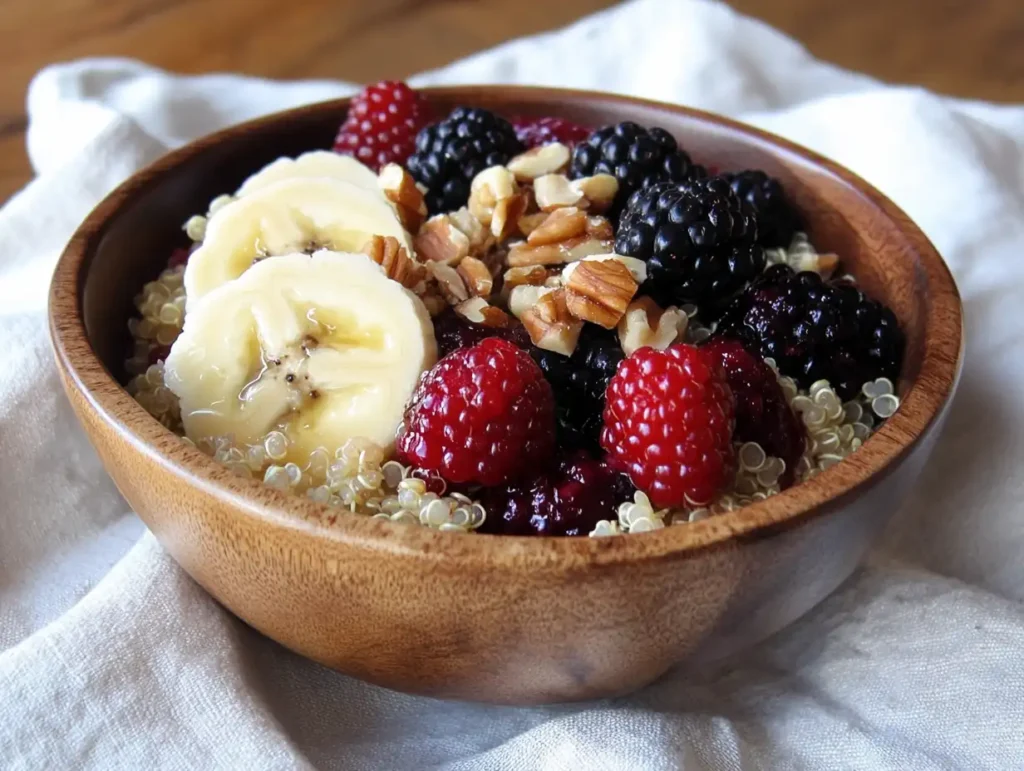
{"x":453,"y":332}
{"x":762,"y":413}
{"x":533,"y":132}
{"x":668,"y":423}
{"x":569,"y":500}
{"x":382,"y":123}
{"x":483,"y":414}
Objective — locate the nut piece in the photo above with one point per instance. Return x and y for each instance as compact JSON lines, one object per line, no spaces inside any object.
{"x":480,"y":239}
{"x":440,"y":241}
{"x":491,"y":185}
{"x":599,"y":291}
{"x":530,"y":222}
{"x":400,"y":188}
{"x":635,"y":266}
{"x":553,"y":191}
{"x":477,"y":310}
{"x":646,"y":324}
{"x":476,"y":276}
{"x":524,"y":297}
{"x":433,"y":301}
{"x":505,"y":220}
{"x":538,"y":161}
{"x":392,"y":256}
{"x":550,"y":324}
{"x":599,"y":227}
{"x":599,"y":190}
{"x":560,"y":225}
{"x":556,"y":254}
{"x":449,"y":282}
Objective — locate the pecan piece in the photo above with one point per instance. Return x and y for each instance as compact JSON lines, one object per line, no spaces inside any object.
{"x":400,"y":188}
{"x":387,"y":252}
{"x":551,"y":325}
{"x":440,"y":241}
{"x":599,"y":291}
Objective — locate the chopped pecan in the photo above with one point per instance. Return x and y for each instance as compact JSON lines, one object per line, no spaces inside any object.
{"x":530,"y":222}
{"x":387,"y":252}
{"x":553,"y":191}
{"x":600,"y":227}
{"x":440,"y":241}
{"x":524,"y":297}
{"x":477,"y":310}
{"x":480,"y":239}
{"x":599,"y":190}
{"x":477,"y":276}
{"x":635,"y":266}
{"x":505,"y":219}
{"x":488,"y":188}
{"x":556,"y":254}
{"x":449,"y":282}
{"x":560,"y":225}
{"x":599,"y":291}
{"x":400,"y":188}
{"x":538,"y":161}
{"x":646,"y":324}
{"x":551,"y":325}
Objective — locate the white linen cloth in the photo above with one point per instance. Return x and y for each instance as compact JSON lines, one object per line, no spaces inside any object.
{"x":110,"y":657}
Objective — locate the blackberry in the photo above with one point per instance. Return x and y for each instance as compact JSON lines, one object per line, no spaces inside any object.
{"x":698,"y":240}
{"x":450,"y":153}
{"x":777,"y":221}
{"x":579,"y":382}
{"x":817,"y":330}
{"x":569,"y":500}
{"x":453,"y":332}
{"x":635,"y":156}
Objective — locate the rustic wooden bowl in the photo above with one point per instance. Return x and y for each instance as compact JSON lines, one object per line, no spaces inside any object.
{"x":500,"y":619}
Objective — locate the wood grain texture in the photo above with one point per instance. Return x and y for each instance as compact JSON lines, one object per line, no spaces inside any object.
{"x":972,"y":48}
{"x":496,"y":618}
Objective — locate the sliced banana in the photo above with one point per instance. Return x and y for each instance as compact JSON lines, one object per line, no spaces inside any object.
{"x":323,"y":348}
{"x":318,"y":163}
{"x":292,"y":215}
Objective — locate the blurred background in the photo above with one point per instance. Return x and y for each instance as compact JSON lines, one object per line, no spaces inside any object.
{"x":968,"y":48}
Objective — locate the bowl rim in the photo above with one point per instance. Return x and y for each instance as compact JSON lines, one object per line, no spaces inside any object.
{"x":110,"y":403}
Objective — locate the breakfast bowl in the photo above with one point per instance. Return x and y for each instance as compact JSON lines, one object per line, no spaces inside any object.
{"x":501,"y":618}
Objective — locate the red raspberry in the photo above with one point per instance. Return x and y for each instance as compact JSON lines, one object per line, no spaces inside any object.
{"x":382,"y":124}
{"x":534,"y":132}
{"x":483,"y":414}
{"x":763,"y":414}
{"x":569,"y":499}
{"x":668,"y":423}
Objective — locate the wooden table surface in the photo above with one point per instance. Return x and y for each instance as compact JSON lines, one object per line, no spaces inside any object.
{"x":971,"y":48}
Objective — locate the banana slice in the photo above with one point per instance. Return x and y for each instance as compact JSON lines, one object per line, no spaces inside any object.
{"x":318,"y":163}
{"x":323,"y":348}
{"x":292,"y":215}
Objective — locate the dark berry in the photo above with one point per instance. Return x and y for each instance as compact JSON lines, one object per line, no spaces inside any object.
{"x":453,"y":332}
{"x":777,"y":221}
{"x":482,"y":415}
{"x":533,"y":132}
{"x":635,"y":156}
{"x":450,"y":153}
{"x":763,"y":414}
{"x":569,"y":500}
{"x":579,"y":382}
{"x":382,"y":123}
{"x":668,"y":423}
{"x":816,"y":329}
{"x":697,"y":238}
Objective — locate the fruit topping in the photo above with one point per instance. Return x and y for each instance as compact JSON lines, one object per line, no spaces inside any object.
{"x":763,"y":414}
{"x":483,"y":415}
{"x":453,"y":331}
{"x":579,"y":382}
{"x":451,"y":153}
{"x":322,"y":349}
{"x":298,"y":214}
{"x":817,"y":330}
{"x":315,"y":164}
{"x":533,"y":132}
{"x":382,"y":123}
{"x":697,"y":238}
{"x":668,"y":423}
{"x":568,"y":500}
{"x":777,"y":221}
{"x":635,"y":156}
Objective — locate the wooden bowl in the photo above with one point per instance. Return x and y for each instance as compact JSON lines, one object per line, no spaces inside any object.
{"x":492,"y":618}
